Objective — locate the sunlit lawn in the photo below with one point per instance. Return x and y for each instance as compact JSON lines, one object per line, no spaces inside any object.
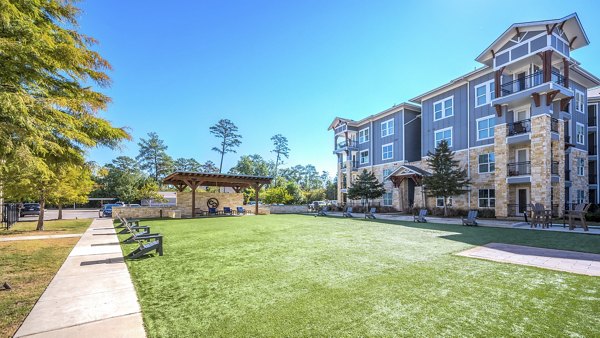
{"x":299,"y":275}
{"x":51,"y":227}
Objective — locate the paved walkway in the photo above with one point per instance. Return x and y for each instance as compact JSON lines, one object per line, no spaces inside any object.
{"x":91,"y":295}
{"x":31,"y":238}
{"x":560,"y":260}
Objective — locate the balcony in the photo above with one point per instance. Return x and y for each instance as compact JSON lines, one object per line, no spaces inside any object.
{"x":567,"y":175}
{"x":353,"y":165}
{"x":528,"y":82}
{"x":593,"y":178}
{"x":592,"y":150}
{"x":592,"y":120}
{"x":346,"y":145}
{"x":554,"y":125}
{"x":519,"y":127}
{"x":519,"y":169}
{"x":554,"y":168}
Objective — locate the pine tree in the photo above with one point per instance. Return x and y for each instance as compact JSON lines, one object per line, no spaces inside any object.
{"x":447,"y":178}
{"x":226,"y":131}
{"x":366,"y":188}
{"x":280,"y":143}
{"x":153,"y":157}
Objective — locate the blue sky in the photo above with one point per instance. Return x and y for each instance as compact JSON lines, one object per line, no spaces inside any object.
{"x":290,"y":67}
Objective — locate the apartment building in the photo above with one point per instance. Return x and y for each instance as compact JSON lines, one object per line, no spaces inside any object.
{"x":593,"y":110}
{"x":518,"y":125}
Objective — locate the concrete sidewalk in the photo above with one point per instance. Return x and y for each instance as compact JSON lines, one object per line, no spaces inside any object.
{"x":91,"y":295}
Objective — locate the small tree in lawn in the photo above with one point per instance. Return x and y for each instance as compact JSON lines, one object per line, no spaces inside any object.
{"x":366,"y":187}
{"x":447,"y":178}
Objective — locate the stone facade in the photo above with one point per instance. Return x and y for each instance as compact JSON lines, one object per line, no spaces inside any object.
{"x":143,"y":212}
{"x":501,"y":155}
{"x":578,"y":182}
{"x":288,"y":209}
{"x":184,"y":201}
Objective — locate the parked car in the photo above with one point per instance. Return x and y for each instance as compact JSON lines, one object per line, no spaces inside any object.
{"x":29,"y":209}
{"x":106,"y":211}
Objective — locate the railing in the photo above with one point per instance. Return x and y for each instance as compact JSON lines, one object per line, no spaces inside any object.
{"x":519,"y":127}
{"x":567,"y":175}
{"x":519,"y":168}
{"x":346,"y":144}
{"x":529,"y":81}
{"x":524,"y":210}
{"x":554,"y":168}
{"x":593,"y":149}
{"x":10,"y":215}
{"x":554,"y":125}
{"x":353,"y":164}
{"x":593,"y":178}
{"x":592,"y":120}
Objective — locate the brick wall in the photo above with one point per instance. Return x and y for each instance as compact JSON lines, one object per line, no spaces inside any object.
{"x":232,"y":200}
{"x":142,"y":212}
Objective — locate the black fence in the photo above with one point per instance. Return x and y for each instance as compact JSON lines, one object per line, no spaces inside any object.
{"x":10,"y":215}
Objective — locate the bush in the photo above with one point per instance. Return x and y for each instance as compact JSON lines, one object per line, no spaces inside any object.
{"x":454,"y":212}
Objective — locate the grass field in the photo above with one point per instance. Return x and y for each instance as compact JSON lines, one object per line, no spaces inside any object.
{"x":29,"y":266}
{"x":293,"y":275}
{"x":51,"y":227}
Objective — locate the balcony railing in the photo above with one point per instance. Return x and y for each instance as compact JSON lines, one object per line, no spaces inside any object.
{"x":346,"y":144}
{"x":519,"y":127}
{"x":529,"y":81}
{"x":592,"y":120}
{"x":554,"y":168}
{"x":593,"y":150}
{"x":519,"y":168}
{"x":593,"y":179}
{"x":353,"y":164}
{"x":554,"y":125}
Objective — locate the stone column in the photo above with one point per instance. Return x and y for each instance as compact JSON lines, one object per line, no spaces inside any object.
{"x":501,"y":154}
{"x":558,"y":151}
{"x":541,"y":146}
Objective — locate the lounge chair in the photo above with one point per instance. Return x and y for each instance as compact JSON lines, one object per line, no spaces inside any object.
{"x":146,"y":247}
{"x":541,"y":216}
{"x":471,"y":218}
{"x":371,"y":213}
{"x":129,"y":226}
{"x":347,"y":213}
{"x":227,"y":211}
{"x":138,"y":235}
{"x":212,"y":211}
{"x":578,"y":214}
{"x":240,"y":211}
{"x":420,"y":218}
{"x":123,"y":220}
{"x":322,"y":211}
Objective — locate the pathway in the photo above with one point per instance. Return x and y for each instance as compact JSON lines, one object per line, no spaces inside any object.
{"x":91,"y":295}
{"x":31,"y":238}
{"x":561,"y":260}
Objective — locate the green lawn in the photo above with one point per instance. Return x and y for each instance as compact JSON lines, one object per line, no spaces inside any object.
{"x":292,"y":275}
{"x":51,"y":227}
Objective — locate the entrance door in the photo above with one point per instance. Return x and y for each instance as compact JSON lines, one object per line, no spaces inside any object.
{"x":522,"y":201}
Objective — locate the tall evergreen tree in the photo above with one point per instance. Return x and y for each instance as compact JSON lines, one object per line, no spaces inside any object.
{"x":281,"y":148}
{"x":48,"y":104}
{"x":153,"y":157}
{"x":187,"y":164}
{"x":366,"y":188}
{"x":447,"y":178}
{"x":226,"y":132}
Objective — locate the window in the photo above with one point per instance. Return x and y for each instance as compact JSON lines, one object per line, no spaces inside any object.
{"x":487,"y":198}
{"x":387,"y":128}
{"x":485,"y":127}
{"x":487,"y":163}
{"x":485,"y":93}
{"x":439,"y":201}
{"x":444,"y":134}
{"x":579,"y":101}
{"x":387,"y":151}
{"x":387,"y":199}
{"x":580,"y":133}
{"x":386,"y":173}
{"x":364,"y":157}
{"x":580,"y":196}
{"x":363,"y":135}
{"x":443,"y":108}
{"x":580,"y":167}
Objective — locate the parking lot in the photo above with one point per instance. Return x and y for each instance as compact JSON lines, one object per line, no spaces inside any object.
{"x":67,"y":214}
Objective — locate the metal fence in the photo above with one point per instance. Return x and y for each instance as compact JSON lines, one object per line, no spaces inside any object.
{"x":10,"y":215}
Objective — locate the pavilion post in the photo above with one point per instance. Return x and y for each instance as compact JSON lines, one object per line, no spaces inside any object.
{"x":257,"y":187}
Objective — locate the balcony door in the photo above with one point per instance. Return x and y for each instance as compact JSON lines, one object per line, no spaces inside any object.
{"x":522,"y":200}
{"x":522,"y":158}
{"x":521,"y":114}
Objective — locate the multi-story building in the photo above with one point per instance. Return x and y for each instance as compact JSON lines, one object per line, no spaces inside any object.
{"x":518,"y":125}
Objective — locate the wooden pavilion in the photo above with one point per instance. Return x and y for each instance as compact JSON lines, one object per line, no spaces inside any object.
{"x":182,"y":179}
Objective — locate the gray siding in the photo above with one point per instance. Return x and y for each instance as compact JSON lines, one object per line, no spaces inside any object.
{"x":457,"y":121}
{"x":577,"y":116}
{"x":379,"y":141}
{"x":479,"y":112}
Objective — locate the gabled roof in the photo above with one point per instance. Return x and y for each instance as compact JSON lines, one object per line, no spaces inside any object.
{"x":594,"y":94}
{"x":571,"y":26}
{"x":411,"y":169}
{"x":337,"y":120}
{"x":394,"y":108}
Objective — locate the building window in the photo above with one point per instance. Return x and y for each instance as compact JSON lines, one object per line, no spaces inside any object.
{"x":579,"y":101}
{"x":580,"y":133}
{"x":387,"y":128}
{"x":485,"y":127}
{"x":387,"y":151}
{"x":444,"y":134}
{"x":443,"y":108}
{"x":484,"y":93}
{"x":487,"y":198}
{"x":580,"y":167}
{"x":363,"y":135}
{"x":487,"y":163}
{"x":387,"y":199}
{"x":364,"y":157}
{"x":439,"y":201}
{"x":386,"y":173}
{"x":580,"y":197}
